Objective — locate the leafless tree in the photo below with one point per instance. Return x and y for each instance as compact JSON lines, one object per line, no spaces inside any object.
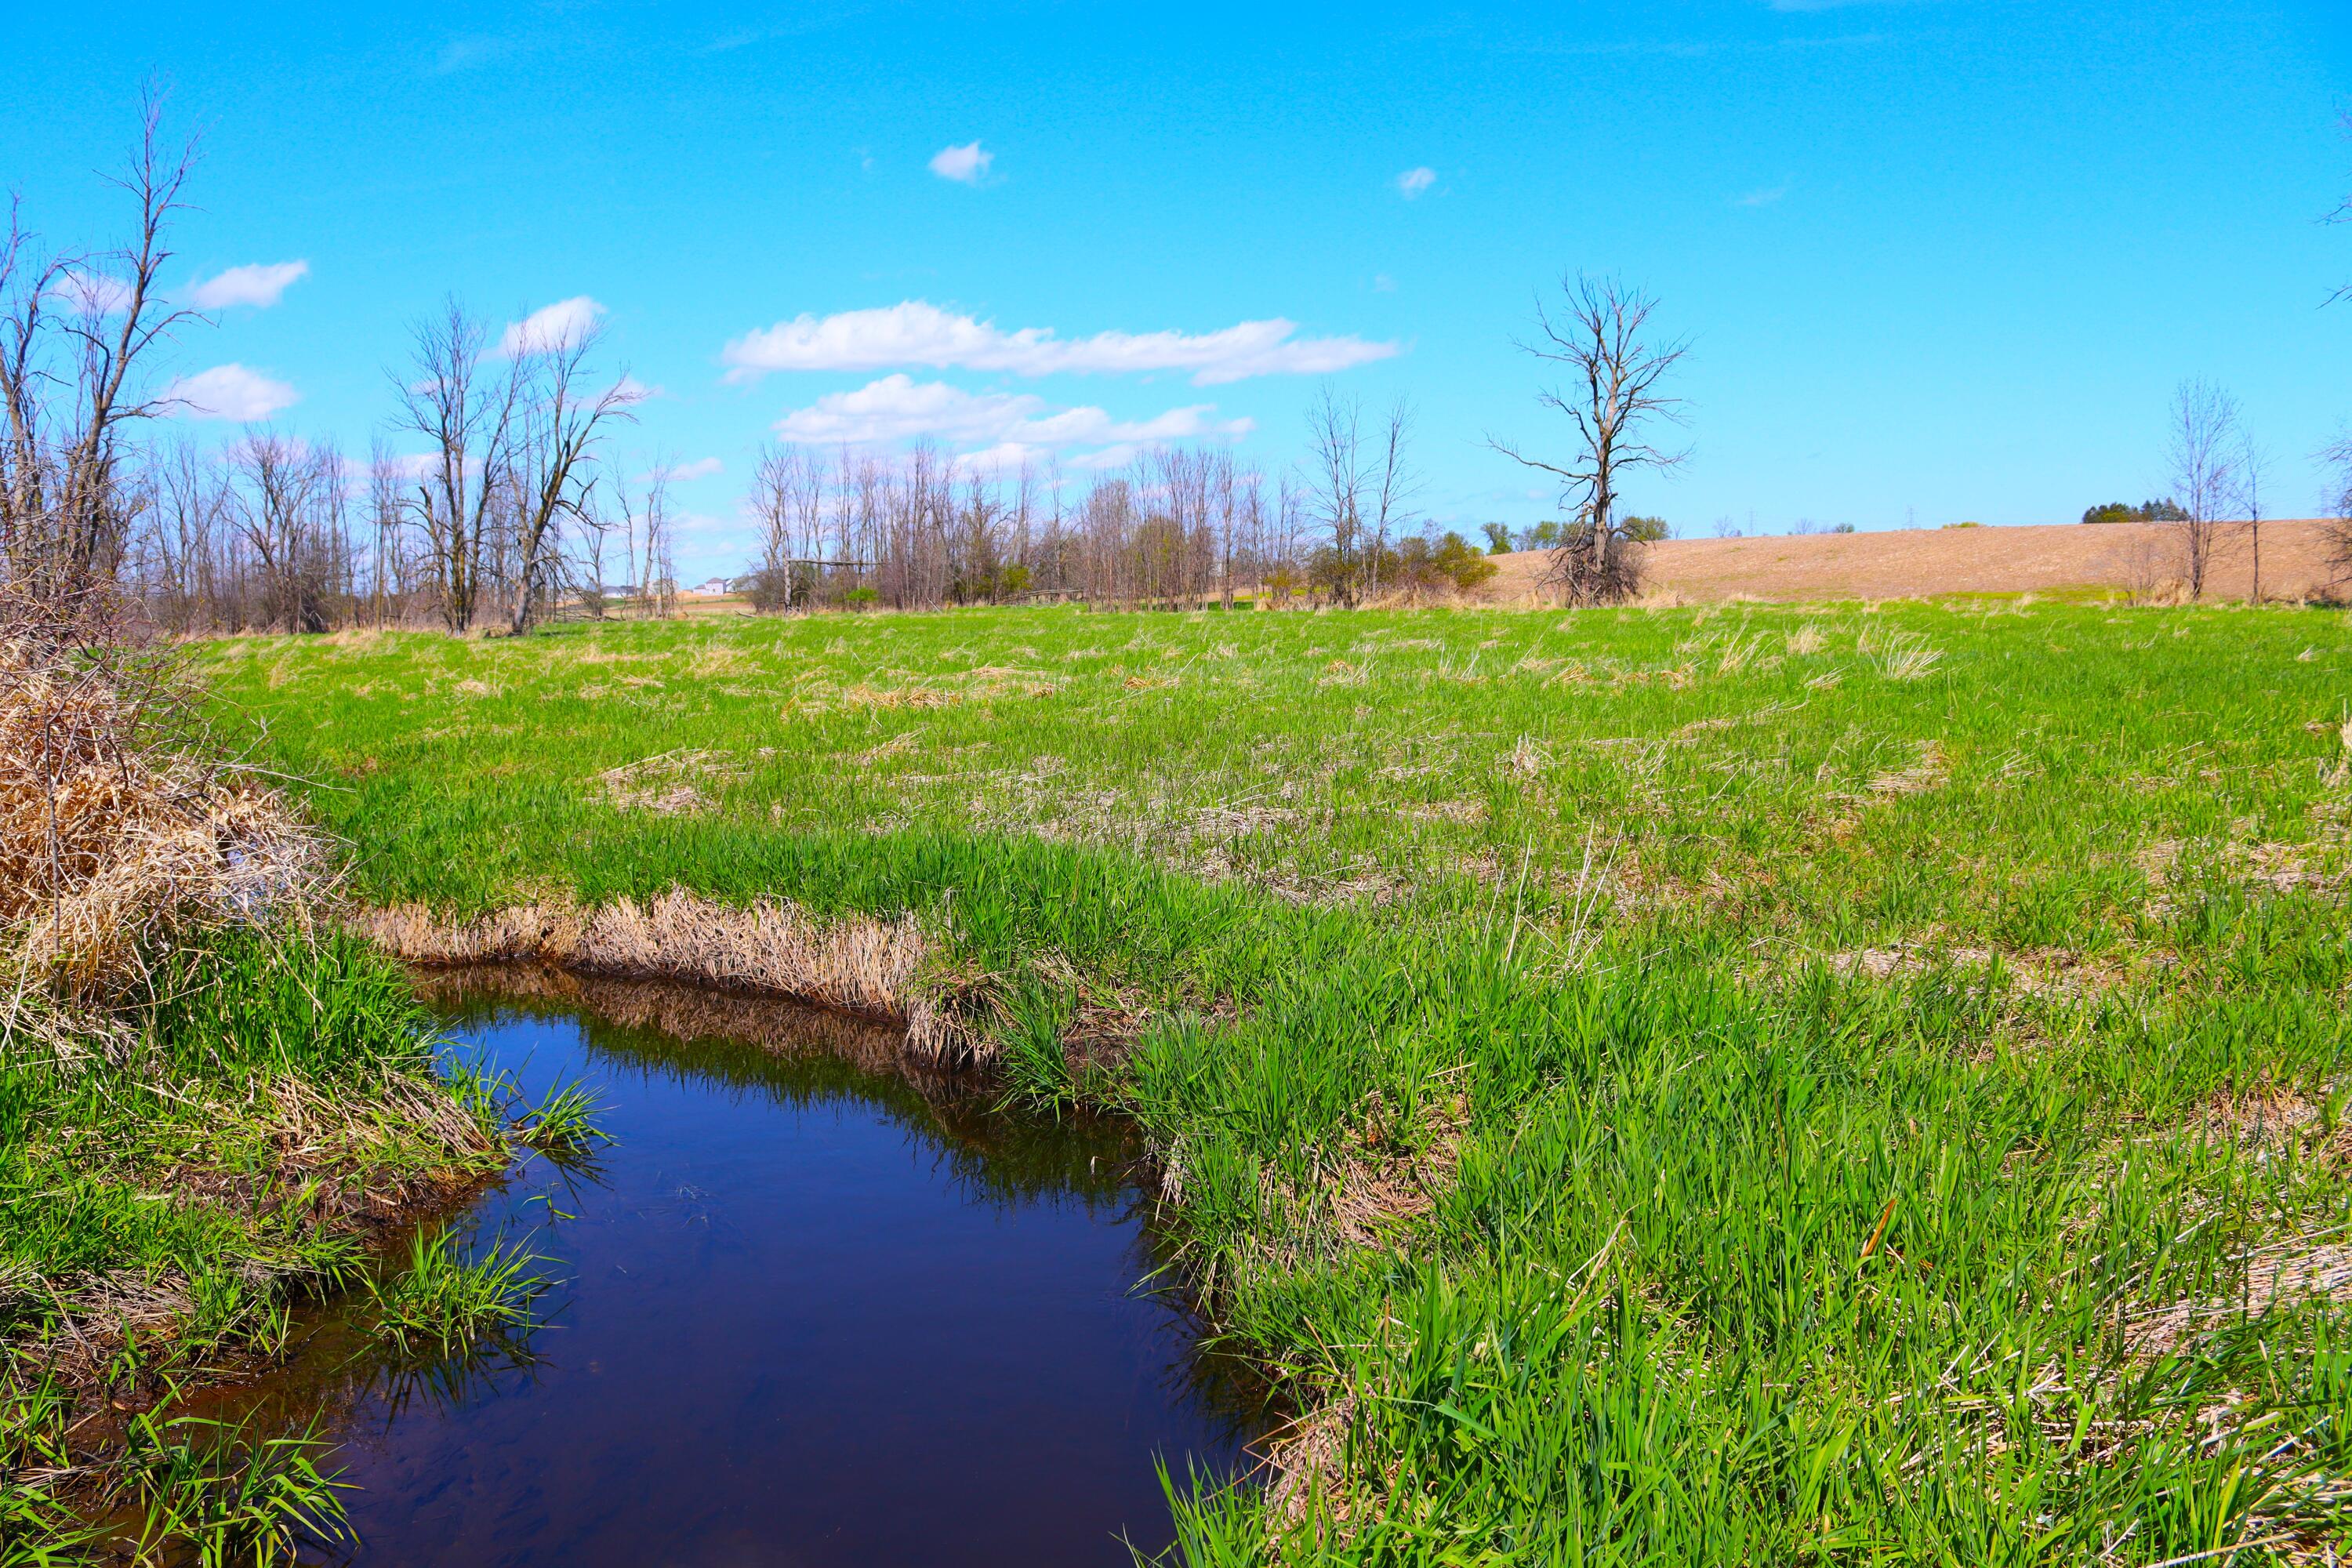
{"x":594,"y":535}
{"x":287,"y":508}
{"x":777,"y":482}
{"x":562,"y":419}
{"x":467,"y":410}
{"x":2206,"y":444}
{"x":2336,"y":458}
{"x":1393,"y":483}
{"x":1335,"y":483}
{"x":657,"y":588}
{"x":75,"y":331}
{"x":388,"y":572}
{"x":1613,"y":400}
{"x":2253,"y":471}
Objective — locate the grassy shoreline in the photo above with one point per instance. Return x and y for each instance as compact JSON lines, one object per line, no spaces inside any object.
{"x":1704,"y":1086}
{"x":171,"y":1191}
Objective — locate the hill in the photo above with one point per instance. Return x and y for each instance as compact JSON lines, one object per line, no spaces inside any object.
{"x":2125,"y":557}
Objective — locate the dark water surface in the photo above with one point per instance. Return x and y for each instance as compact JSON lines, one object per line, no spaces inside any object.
{"x":805,"y":1313}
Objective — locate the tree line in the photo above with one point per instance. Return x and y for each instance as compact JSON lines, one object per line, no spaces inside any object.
{"x":508,"y":503}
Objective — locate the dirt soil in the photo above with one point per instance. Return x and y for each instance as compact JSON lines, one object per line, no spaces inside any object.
{"x":2142,"y":558}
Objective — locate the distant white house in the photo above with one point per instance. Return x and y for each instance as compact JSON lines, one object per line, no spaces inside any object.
{"x":715,"y":585}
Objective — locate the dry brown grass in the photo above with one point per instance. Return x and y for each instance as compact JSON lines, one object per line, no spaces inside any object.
{"x":871,"y":968}
{"x":669,"y":784}
{"x":111,"y":838}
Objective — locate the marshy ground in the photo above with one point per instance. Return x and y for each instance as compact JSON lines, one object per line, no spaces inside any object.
{"x":1738,"y":1084}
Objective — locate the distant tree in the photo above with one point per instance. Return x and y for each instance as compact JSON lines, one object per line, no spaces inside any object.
{"x":2165,"y":510}
{"x":1613,"y":402}
{"x":1498,"y":537}
{"x":1545,"y":535}
{"x":1842,"y":528}
{"x":1463,"y":566}
{"x":2204,"y":450}
{"x":1645,"y":529}
{"x":2254,"y":467}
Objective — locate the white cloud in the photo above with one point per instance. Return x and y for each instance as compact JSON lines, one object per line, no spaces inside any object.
{"x":92,"y":293}
{"x":1412,"y":182}
{"x":898,"y":408}
{"x":701,"y":469}
{"x":555,"y":326}
{"x":915,"y":332}
{"x":229,"y":392}
{"x":1761,"y":198}
{"x":967,"y":164}
{"x":258,"y":284}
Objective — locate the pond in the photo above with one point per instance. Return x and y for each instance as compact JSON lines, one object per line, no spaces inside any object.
{"x":809,"y":1307}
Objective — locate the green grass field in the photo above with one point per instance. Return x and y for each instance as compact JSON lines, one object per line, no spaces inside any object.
{"x":1729,"y":1086}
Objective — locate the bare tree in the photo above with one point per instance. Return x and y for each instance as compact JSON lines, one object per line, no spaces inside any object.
{"x":595,"y":534}
{"x":288,"y":505}
{"x":469,"y":419}
{"x":1393,"y":483}
{"x":2205,"y":447}
{"x":1602,"y":334}
{"x":2337,"y":457}
{"x":1335,"y":483}
{"x":777,"y":480}
{"x":658,"y":589}
{"x":83,"y":322}
{"x":561,"y":423}
{"x":2253,"y":470}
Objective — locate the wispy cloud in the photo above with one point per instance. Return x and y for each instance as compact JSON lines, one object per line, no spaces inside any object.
{"x":229,"y":392}
{"x":915,"y":332}
{"x":967,"y":164}
{"x":555,"y":326}
{"x":700,"y":468}
{"x":258,"y":284}
{"x":1761,"y":198}
{"x":91,"y":293}
{"x":1412,"y":182}
{"x":899,"y":408}
{"x":471,"y":52}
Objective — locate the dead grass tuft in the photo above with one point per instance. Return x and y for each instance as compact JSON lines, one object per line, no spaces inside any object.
{"x":669,"y":783}
{"x":111,"y":839}
{"x":2285,"y":1274}
{"x":1925,"y":772}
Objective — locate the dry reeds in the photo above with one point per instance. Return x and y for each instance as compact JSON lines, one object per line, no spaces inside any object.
{"x":111,"y":838}
{"x":874,"y":968}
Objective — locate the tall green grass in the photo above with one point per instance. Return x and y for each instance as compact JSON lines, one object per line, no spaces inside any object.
{"x":1732,"y":1085}
{"x":166,"y":1192}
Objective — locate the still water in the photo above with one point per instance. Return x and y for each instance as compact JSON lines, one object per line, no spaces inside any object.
{"x":808,"y":1309}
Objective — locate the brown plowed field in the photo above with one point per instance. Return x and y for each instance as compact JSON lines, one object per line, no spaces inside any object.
{"x":2125,"y":557}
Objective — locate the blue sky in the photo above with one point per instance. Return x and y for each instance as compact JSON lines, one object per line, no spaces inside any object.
{"x":1939,"y":260}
